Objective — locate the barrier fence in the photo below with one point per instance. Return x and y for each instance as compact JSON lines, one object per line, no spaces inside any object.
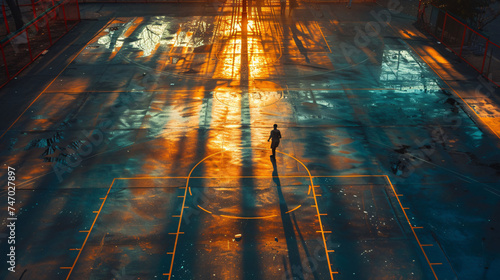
{"x":470,"y":45}
{"x":21,"y":48}
{"x":30,"y":9}
{"x":211,"y":1}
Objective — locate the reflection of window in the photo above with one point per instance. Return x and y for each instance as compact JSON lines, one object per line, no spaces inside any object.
{"x":399,"y":68}
{"x":150,"y":36}
{"x":114,"y":38}
{"x":160,"y":30}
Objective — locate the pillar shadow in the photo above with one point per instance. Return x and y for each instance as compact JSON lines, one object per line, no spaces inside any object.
{"x":251,"y":266}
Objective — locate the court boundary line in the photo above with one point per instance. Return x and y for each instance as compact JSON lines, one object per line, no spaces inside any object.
{"x":89,"y":231}
{"x":397,"y":195}
{"x":411,"y":226}
{"x":314,"y":195}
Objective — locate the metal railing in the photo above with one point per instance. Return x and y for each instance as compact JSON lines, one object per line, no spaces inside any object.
{"x":210,"y":1}
{"x":29,"y":9}
{"x":470,"y":45}
{"x":21,"y":48}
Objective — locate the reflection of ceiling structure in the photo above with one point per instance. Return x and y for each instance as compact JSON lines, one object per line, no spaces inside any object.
{"x":149,"y":35}
{"x":209,"y":47}
{"x":262,"y":38}
{"x":399,"y":67}
{"x":256,"y":99}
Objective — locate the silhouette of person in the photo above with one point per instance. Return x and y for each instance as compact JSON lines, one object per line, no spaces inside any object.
{"x":275,"y":136}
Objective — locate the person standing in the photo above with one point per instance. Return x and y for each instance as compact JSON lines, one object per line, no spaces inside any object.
{"x":283,"y":6}
{"x":275,"y":136}
{"x":349,"y":5}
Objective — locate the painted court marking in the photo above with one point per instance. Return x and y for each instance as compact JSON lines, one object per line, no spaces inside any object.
{"x":311,"y":190}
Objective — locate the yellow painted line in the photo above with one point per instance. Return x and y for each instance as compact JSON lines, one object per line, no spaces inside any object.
{"x":323,"y":231}
{"x":309,"y":190}
{"x":417,"y":227}
{"x":176,"y":216}
{"x":185,"y":207}
{"x":321,"y":31}
{"x":183,"y":203}
{"x":234,"y":217}
{"x":349,"y":176}
{"x":436,"y":264}
{"x":84,"y":231}
{"x":190,"y":193}
{"x":152,"y":177}
{"x":427,"y":245}
{"x":218,"y":177}
{"x":95,"y":212}
{"x":317,"y":211}
{"x":310,"y":177}
{"x":412,"y":228}
{"x":64,"y":267}
{"x":293,"y":209}
{"x":90,"y":230}
{"x":204,"y":209}
{"x":180,"y":220}
{"x":318,"y":214}
{"x":256,"y":176}
{"x":248,"y":218}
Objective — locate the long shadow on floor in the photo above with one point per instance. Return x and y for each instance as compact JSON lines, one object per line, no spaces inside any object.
{"x":296,"y":269}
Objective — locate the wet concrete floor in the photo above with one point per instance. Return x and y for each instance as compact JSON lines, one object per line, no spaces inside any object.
{"x":140,"y":149}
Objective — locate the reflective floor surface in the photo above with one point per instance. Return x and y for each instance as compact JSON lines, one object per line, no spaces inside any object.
{"x":146,"y":156}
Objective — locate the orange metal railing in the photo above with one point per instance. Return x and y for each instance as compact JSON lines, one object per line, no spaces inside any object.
{"x":475,"y":48}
